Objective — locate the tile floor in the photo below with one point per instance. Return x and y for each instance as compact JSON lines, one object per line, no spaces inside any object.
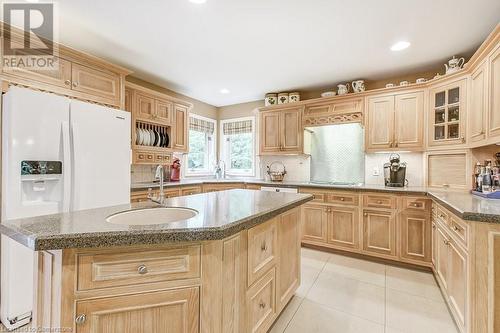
{"x":340,"y":294}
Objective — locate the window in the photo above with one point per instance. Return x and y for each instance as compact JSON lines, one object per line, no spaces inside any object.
{"x":201,"y":157}
{"x":238,"y":146}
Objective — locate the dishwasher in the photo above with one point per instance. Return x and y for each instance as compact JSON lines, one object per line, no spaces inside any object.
{"x":279,"y":189}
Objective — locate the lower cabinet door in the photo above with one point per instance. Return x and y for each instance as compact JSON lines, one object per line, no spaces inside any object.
{"x":262,"y":249}
{"x":442,"y":256}
{"x":314,"y":219}
{"x":457,"y":281}
{"x":261,"y":303}
{"x":343,"y":227}
{"x":288,"y":277}
{"x":415,"y":236}
{"x":172,"y":311}
{"x":379,"y":233}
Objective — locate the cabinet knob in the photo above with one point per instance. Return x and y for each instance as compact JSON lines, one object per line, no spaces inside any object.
{"x":433,"y":226}
{"x":446,"y":242}
{"x":75,"y":84}
{"x":142,"y":269}
{"x":365,"y":214}
{"x":342,"y":199}
{"x":379,"y":202}
{"x":456,"y":228}
{"x":67,"y":82}
{"x":262,"y":305}
{"x":263,"y":247}
{"x":80,"y":319}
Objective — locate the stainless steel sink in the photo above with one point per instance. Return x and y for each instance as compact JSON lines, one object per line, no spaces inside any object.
{"x":149,"y":216}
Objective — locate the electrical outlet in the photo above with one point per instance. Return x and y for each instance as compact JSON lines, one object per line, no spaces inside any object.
{"x":376,"y":171}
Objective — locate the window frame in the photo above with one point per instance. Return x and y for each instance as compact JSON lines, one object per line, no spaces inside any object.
{"x":224,"y":147}
{"x":211,"y":155}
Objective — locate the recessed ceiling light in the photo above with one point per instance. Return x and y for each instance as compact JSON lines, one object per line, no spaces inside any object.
{"x":198,"y":1}
{"x":401,"y":45}
{"x":224,"y":91}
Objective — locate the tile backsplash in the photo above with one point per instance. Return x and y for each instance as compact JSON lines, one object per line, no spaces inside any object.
{"x":297,"y":167}
{"x":414,"y":168}
{"x":142,"y":173}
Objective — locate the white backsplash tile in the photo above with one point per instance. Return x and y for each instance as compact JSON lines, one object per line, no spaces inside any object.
{"x":297,"y":167}
{"x":414,"y":168}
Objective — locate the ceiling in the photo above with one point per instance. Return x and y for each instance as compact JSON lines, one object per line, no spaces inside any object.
{"x":258,"y":46}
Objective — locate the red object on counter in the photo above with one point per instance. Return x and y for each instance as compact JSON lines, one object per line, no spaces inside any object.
{"x":175,"y":170}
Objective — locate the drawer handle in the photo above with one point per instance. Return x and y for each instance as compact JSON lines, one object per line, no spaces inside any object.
{"x":142,"y":269}
{"x":263,"y":247}
{"x":342,"y":199}
{"x":262,"y":305}
{"x":80,"y":319}
{"x":75,"y":84}
{"x":379,"y":202}
{"x":433,"y":226}
{"x":314,"y":196}
{"x":67,"y":82}
{"x":365,"y":214}
{"x":416,"y":204}
{"x":457,"y":228}
{"x":441,"y":216}
{"x":446,"y":242}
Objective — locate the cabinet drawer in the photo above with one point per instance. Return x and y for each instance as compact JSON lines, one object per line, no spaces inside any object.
{"x":317,"y":195}
{"x":190,"y":190}
{"x":139,"y":196}
{"x":162,"y":158}
{"x":342,"y":198}
{"x":262,"y":247}
{"x":442,"y":215}
{"x":416,"y":203}
{"x":261,"y":303}
{"x":113,"y":269}
{"x":379,"y":201}
{"x":171,"y":193}
{"x":459,"y":229}
{"x":143,"y":157}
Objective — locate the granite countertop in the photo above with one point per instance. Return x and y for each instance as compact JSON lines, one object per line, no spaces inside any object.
{"x":463,"y":204}
{"x":220,"y":214}
{"x":362,"y":187}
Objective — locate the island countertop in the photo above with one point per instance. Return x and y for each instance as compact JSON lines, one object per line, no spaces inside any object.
{"x":220,"y":215}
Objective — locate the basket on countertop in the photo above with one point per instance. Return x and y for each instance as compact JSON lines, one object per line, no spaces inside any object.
{"x":276,"y":175}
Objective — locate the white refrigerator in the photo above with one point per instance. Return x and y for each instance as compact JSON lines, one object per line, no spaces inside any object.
{"x":58,"y":155}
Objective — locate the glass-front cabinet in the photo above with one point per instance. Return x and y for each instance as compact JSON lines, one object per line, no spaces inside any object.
{"x":447,"y":114}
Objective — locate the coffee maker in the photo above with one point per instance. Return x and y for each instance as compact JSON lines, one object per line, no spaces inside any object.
{"x":395,"y":172}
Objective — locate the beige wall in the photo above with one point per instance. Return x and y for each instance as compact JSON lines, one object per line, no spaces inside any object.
{"x":200,"y":108}
{"x":239,"y":110}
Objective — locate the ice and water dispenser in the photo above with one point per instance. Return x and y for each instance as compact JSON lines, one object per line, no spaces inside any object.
{"x":42,"y":183}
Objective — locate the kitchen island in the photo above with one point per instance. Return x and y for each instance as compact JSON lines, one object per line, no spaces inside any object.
{"x":231,"y":268}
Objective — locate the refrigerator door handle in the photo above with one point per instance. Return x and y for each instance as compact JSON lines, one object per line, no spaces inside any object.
{"x":66,"y":166}
{"x":75,"y":164}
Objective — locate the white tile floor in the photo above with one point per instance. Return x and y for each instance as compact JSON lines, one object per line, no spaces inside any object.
{"x":340,"y":294}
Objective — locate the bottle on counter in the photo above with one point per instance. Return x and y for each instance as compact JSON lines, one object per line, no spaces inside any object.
{"x":479,"y":179}
{"x":486,"y":183}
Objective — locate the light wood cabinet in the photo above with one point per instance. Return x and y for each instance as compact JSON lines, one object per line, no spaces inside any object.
{"x":448,"y":169}
{"x":457,"y":281}
{"x":478,"y":112}
{"x":281,"y":131}
{"x":447,"y":113}
{"x":494,"y":95}
{"x":343,"y":227}
{"x":380,"y":123}
{"x":95,"y":82}
{"x":442,"y":256}
{"x":395,"y":121}
{"x":158,"y":312}
{"x":261,"y":303}
{"x":415,"y":238}
{"x":221,"y":187}
{"x":180,"y":143}
{"x":145,"y":106}
{"x":262,"y":249}
{"x":288,"y":277}
{"x":314,"y":223}
{"x":190,"y":190}
{"x":163,"y":111}
{"x":129,"y":99}
{"x":379,"y":232}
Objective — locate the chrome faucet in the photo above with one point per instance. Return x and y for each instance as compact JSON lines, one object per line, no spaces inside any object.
{"x":159,"y":175}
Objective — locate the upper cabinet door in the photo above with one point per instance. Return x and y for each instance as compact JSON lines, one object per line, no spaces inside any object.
{"x":129,"y":99}
{"x":98,"y":83}
{"x":163,"y":111}
{"x":380,"y":122}
{"x":409,"y":127}
{"x":144,"y":106}
{"x":291,"y":130}
{"x":447,"y":113}
{"x":494,"y":95}
{"x":478,"y":104}
{"x":61,"y":76}
{"x":270,"y":132}
{"x":180,"y":143}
